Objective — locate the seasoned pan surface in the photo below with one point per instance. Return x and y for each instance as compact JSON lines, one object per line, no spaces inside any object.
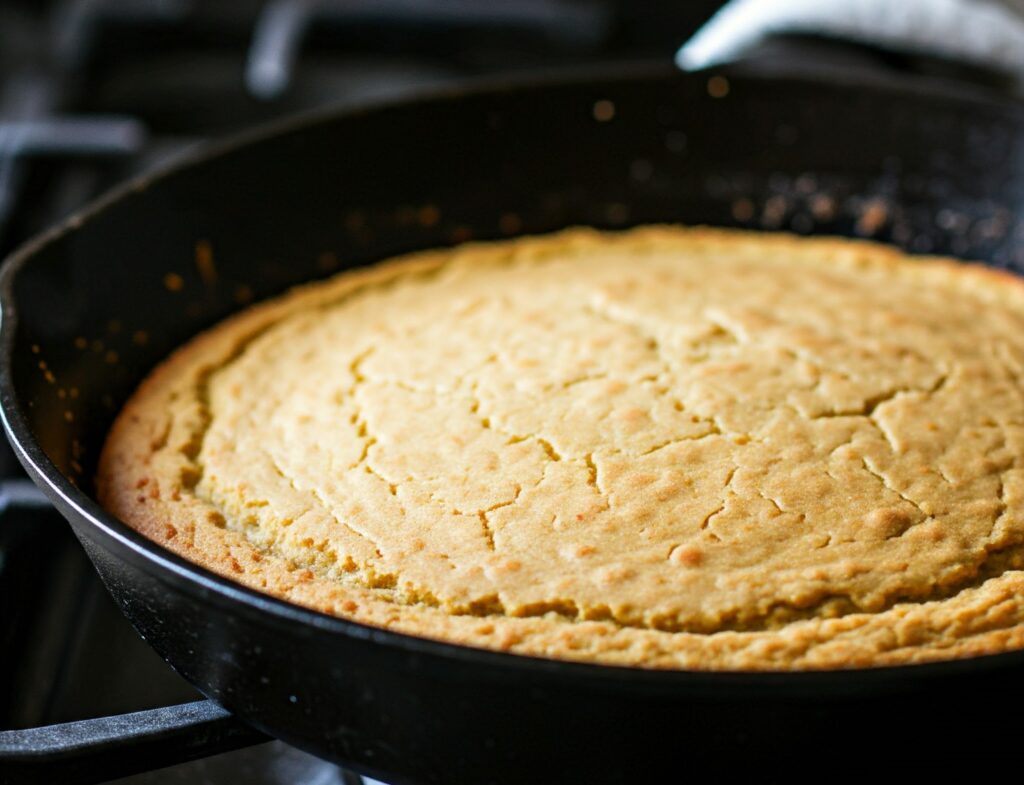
{"x":88,"y":309}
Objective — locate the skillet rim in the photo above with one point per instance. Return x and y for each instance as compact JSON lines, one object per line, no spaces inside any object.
{"x":205,"y":586}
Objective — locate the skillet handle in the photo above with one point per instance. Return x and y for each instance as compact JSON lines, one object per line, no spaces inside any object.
{"x":97,"y":750}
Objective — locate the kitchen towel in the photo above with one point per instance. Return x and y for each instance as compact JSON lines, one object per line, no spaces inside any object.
{"x":987,"y":33}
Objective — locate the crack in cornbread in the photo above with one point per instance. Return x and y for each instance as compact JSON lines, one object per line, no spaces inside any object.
{"x":666,"y":447}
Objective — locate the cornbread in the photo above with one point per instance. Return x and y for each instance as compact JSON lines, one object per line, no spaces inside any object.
{"x":668,"y":447}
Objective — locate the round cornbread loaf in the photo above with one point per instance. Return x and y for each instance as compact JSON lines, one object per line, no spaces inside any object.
{"x":668,"y":447}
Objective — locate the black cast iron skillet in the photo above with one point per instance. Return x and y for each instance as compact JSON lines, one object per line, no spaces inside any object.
{"x":90,"y":307}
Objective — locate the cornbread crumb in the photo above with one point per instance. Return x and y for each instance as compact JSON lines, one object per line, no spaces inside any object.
{"x":668,"y":448}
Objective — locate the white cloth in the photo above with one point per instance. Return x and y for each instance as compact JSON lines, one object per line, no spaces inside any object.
{"x":980,"y":32}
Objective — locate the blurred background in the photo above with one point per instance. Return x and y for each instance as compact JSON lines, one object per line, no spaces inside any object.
{"x":97,"y":90}
{"x":94,"y":91}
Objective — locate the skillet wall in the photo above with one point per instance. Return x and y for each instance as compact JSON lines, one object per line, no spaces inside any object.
{"x":104,"y":302}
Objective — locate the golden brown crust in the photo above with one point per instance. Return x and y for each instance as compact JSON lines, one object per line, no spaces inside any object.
{"x":688,"y":448}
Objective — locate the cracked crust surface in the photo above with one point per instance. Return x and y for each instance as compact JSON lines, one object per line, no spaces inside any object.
{"x":666,"y":447}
